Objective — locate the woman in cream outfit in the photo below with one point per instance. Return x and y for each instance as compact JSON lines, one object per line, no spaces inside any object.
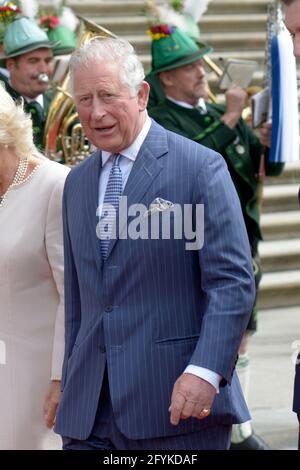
{"x":31,"y":285}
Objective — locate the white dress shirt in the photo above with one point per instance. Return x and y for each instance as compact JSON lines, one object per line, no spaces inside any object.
{"x":201,"y":104}
{"x":126,"y":163}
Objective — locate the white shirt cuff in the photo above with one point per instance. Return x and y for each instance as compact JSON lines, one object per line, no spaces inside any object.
{"x":206,"y":374}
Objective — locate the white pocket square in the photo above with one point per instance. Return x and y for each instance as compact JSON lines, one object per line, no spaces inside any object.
{"x":158,"y":205}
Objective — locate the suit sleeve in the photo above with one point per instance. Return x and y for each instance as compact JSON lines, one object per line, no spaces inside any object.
{"x":226,"y":270}
{"x":72,"y":294}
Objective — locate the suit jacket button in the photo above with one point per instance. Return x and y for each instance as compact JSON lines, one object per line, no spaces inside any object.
{"x":102,"y":348}
{"x":108,"y":308}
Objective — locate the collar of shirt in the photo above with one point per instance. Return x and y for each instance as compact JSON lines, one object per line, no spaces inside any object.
{"x":132,"y":151}
{"x":39,"y":99}
{"x":201,"y":104}
{"x":4,"y":72}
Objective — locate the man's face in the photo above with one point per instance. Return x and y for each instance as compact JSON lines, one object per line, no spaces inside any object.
{"x":25,"y":69}
{"x":187,"y":83}
{"x":111,"y":118}
{"x":292,"y":22}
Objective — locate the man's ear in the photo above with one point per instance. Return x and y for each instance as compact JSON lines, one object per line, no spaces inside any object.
{"x":166,"y":79}
{"x":143,"y":95}
{"x":10,"y":64}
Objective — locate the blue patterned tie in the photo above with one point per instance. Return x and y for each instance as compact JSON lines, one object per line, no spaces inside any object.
{"x":112,"y":198}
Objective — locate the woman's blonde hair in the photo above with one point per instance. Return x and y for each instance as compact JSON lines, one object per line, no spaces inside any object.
{"x":15,"y":125}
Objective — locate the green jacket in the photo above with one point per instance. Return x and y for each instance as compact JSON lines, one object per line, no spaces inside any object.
{"x":239,"y":146}
{"x":38,"y":114}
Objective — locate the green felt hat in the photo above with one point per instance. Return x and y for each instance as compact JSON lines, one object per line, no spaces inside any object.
{"x":172,"y":48}
{"x":65,"y":38}
{"x":21,"y":36}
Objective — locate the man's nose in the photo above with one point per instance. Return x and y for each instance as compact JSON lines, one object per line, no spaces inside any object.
{"x":43,"y":67}
{"x":98,"y":110}
{"x":201,"y":71}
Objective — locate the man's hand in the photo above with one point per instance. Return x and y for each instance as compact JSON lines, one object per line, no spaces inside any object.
{"x":191,"y":397}
{"x":265,"y":133}
{"x":51,"y":403}
{"x":235,"y":103}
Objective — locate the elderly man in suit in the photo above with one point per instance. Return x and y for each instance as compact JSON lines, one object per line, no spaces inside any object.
{"x":154,"y":318}
{"x":292,"y":22}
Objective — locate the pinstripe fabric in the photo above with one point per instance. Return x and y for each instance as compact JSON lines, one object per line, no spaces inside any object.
{"x":105,"y":434}
{"x":212,"y":438}
{"x":154,"y":307}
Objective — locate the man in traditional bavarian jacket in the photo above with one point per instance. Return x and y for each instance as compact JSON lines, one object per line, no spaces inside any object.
{"x":180,"y":90}
{"x":28,"y":58}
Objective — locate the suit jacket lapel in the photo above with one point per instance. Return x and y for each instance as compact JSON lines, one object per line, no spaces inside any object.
{"x":144,"y":171}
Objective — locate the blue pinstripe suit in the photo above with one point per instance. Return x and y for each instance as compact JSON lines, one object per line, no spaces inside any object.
{"x":153,"y":307}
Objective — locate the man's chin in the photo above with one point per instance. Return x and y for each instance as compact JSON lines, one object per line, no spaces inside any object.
{"x":41,"y":90}
{"x":105,"y":144}
{"x":202,"y":92}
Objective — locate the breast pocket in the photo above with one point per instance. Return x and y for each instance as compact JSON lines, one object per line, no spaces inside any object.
{"x":180,"y":340}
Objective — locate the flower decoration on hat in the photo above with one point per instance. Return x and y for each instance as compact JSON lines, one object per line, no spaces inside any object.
{"x":8,"y":12}
{"x":185,"y":14}
{"x":49,"y":22}
{"x":60,"y":23}
{"x":177,"y":5}
{"x":58,"y":15}
{"x":158,"y":31}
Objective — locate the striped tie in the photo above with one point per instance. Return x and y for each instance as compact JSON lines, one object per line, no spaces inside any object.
{"x":111,"y":204}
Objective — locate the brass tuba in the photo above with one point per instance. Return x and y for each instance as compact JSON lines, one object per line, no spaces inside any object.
{"x":64,"y":140}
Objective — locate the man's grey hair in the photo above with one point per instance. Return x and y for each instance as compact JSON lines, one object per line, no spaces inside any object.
{"x":116,"y":50}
